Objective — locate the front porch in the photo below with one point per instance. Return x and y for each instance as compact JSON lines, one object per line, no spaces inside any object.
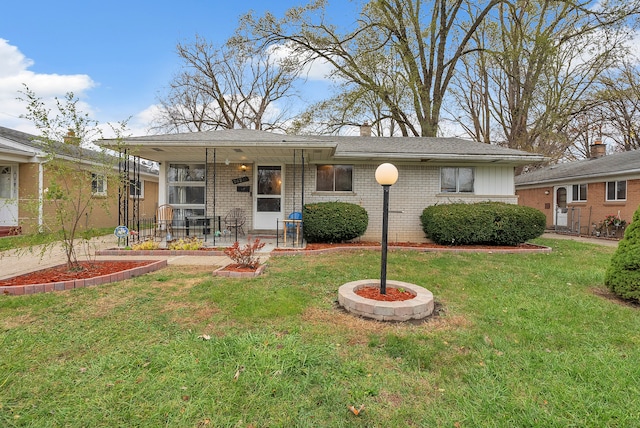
{"x":211,"y":231}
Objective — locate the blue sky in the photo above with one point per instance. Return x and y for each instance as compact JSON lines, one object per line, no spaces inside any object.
{"x":116,"y":56}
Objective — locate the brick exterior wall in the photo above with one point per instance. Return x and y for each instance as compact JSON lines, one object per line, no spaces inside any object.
{"x":418,"y":186}
{"x":104,"y":213}
{"x":583,"y":214}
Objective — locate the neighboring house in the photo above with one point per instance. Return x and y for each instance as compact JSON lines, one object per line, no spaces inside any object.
{"x":577,"y":196}
{"x":24,"y":179}
{"x":272,"y":175}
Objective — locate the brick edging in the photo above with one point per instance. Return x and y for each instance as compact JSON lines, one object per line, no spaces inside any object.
{"x":421,"y":306}
{"x":19,"y":290}
{"x":541,"y":249}
{"x":236,"y":274}
{"x":117,"y":252}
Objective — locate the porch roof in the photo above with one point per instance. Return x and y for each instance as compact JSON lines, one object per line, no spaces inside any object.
{"x":242,"y":145}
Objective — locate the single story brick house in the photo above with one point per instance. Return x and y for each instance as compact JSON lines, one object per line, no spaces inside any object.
{"x":24,"y":179}
{"x":271,"y":175}
{"x":578,"y":196}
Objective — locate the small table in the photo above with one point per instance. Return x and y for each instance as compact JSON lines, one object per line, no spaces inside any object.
{"x":297,"y":224}
{"x":200,"y":220}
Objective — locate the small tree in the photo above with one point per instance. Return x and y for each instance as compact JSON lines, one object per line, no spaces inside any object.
{"x":245,"y":256}
{"x":623,"y":274}
{"x":75,"y":175}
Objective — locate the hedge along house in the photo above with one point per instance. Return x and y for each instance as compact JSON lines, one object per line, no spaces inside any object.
{"x":270,"y":175}
{"x":25,"y":177}
{"x":578,"y":196}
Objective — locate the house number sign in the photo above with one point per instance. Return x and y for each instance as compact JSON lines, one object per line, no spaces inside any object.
{"x":240,"y":180}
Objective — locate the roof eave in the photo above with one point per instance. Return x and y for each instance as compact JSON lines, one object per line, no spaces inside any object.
{"x":425,"y":157}
{"x":578,"y":177}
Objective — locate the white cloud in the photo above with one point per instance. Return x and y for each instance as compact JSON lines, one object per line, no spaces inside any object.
{"x":15,"y":73}
{"x":318,"y":69}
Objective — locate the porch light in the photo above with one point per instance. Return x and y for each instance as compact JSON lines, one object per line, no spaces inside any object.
{"x":243,"y":167}
{"x":226,"y":162}
{"x":386,"y":176}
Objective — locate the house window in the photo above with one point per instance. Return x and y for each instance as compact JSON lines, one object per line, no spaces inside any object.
{"x":616,"y":190}
{"x":98,"y":184}
{"x":456,"y":180}
{"x":579,"y":192}
{"x":186,"y":189}
{"x":334,"y":178}
{"x":136,"y":188}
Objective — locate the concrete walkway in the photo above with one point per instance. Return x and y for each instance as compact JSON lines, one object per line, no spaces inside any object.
{"x":598,"y":241}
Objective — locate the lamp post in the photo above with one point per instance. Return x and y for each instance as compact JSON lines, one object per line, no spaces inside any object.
{"x":386,"y":176}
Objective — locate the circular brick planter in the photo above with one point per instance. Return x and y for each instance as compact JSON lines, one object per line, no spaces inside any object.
{"x":419,"y":307}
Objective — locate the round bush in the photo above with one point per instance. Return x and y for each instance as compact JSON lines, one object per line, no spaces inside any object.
{"x":334,"y":221}
{"x":484,"y":223}
{"x":623,"y":274}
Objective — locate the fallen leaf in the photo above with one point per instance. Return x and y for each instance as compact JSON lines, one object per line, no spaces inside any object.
{"x":237,"y":375}
{"x":83,"y":369}
{"x":356,"y":411}
{"x":185,"y":398}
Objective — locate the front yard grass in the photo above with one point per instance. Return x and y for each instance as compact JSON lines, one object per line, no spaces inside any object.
{"x":518,"y":340}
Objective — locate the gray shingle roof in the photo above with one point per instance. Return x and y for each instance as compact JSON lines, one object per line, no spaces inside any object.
{"x":345,"y":147}
{"x":616,"y":164}
{"x":29,"y":140}
{"x":19,"y":137}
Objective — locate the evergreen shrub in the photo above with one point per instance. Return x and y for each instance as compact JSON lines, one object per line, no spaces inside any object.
{"x":623,"y":274}
{"x":334,"y":221}
{"x":483,"y":223}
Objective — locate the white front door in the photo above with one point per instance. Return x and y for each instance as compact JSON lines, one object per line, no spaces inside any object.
{"x":561,"y":206}
{"x":8,"y":195}
{"x":269,"y":188}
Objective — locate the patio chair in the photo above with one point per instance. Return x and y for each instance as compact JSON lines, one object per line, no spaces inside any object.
{"x":164,"y":220}
{"x":293,"y":226}
{"x":234,"y":221}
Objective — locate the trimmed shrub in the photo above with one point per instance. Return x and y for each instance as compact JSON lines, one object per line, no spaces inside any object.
{"x":334,"y":221}
{"x":483,"y":223}
{"x":623,"y":274}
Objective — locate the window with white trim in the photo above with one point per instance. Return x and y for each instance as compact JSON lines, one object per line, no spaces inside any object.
{"x":136,"y":188}
{"x":98,"y":184}
{"x":617,"y":190}
{"x":579,"y":192}
{"x":186,"y":188}
{"x":334,"y":178}
{"x":457,"y":180}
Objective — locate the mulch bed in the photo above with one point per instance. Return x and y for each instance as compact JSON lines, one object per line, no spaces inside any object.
{"x":62,"y":273}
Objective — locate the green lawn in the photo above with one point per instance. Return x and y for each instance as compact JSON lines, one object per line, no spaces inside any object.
{"x":518,"y":340}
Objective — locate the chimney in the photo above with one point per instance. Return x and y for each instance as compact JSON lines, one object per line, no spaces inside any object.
{"x":71,"y":138}
{"x":365,"y":130}
{"x":598,"y":149}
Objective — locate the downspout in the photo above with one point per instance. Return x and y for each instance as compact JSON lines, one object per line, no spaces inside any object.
{"x":40,"y":197}
{"x":206,"y":193}
{"x":215,"y":174}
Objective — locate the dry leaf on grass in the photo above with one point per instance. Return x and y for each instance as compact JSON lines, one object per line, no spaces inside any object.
{"x":356,"y":411}
{"x":237,"y":375}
